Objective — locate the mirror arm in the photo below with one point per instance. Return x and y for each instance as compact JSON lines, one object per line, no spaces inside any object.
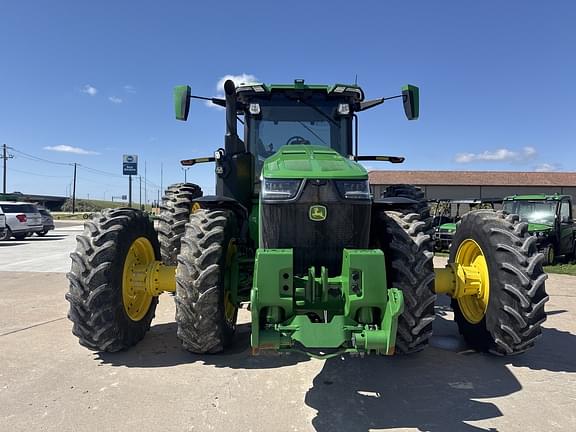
{"x":391,"y":159}
{"x":362,"y":106}
{"x":216,"y":101}
{"x":194,"y":161}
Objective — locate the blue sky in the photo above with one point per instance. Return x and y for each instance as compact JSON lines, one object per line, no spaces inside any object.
{"x":496,"y":79}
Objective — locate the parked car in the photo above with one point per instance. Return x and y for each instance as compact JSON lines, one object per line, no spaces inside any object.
{"x":47,"y":222}
{"x":22,"y":220}
{"x":2,"y":222}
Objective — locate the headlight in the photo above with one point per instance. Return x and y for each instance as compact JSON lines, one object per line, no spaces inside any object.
{"x":279,"y":189}
{"x":354,"y":189}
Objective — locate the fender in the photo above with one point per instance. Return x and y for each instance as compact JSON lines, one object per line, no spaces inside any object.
{"x":387,"y":202}
{"x":214,"y":202}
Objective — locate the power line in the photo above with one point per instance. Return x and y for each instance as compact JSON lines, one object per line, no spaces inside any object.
{"x":29,"y":156}
{"x":84,"y":167}
{"x":39,"y":175}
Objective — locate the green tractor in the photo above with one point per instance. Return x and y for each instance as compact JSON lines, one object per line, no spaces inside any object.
{"x":294,"y":230}
{"x":448,"y":212}
{"x":550,"y":220}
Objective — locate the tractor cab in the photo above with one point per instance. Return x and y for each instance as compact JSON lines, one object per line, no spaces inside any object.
{"x":299,"y":114}
{"x":549,"y":219}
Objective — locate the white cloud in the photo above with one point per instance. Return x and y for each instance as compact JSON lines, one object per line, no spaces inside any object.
{"x":243,"y":78}
{"x":129,"y":88}
{"x":499,"y":155}
{"x":115,"y":99}
{"x":62,"y":148}
{"x":547,"y":167}
{"x":88,"y":89}
{"x":238,"y":79}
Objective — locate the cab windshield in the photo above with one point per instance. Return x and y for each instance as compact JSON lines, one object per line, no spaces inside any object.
{"x":283,"y":121}
{"x":542,"y":212}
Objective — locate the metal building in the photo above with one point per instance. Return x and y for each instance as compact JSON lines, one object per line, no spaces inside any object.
{"x":477,"y":184}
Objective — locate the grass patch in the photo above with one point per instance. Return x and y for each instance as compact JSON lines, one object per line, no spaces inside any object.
{"x":566,"y":269}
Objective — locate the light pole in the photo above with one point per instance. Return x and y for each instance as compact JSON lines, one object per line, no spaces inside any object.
{"x":185,"y":171}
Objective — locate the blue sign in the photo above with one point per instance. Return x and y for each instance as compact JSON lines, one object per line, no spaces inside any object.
{"x":130,"y":165}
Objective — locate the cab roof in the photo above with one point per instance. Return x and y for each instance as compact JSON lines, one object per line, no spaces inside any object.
{"x":537,"y":197}
{"x":347,"y":90}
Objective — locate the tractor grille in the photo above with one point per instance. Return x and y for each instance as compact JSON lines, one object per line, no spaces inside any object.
{"x":316,"y":243}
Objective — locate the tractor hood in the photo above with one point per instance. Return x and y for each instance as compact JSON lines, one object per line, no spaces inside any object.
{"x":448,"y":227}
{"x":536,"y":227}
{"x":310,"y":161}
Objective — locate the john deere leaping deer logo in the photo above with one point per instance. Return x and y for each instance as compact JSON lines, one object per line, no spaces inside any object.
{"x":317,"y":213}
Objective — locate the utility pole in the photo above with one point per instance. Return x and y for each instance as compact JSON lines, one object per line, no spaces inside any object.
{"x":130,"y":191}
{"x":140,"y":178}
{"x":74,"y":191}
{"x":145,"y":185}
{"x":161,"y":176}
{"x":185,"y":172}
{"x":5,"y":157}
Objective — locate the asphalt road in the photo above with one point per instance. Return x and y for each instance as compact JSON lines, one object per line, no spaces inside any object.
{"x":48,"y":382}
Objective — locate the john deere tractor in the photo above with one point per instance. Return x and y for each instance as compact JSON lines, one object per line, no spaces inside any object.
{"x":294,"y":229}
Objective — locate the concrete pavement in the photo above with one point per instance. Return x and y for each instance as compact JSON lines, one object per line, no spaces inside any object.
{"x":50,"y":253}
{"x":48,"y":382}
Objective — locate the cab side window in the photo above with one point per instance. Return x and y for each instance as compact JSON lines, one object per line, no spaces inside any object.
{"x":565,"y":212}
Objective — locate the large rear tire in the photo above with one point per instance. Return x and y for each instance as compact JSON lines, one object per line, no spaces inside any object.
{"x":205,"y":314}
{"x":107,"y":313}
{"x":415,"y":193}
{"x":408,"y":253}
{"x":507,"y":318}
{"x":174,"y":215}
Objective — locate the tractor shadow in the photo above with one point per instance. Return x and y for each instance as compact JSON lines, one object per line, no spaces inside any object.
{"x":47,"y":238}
{"x":439,"y":389}
{"x":161,"y":348}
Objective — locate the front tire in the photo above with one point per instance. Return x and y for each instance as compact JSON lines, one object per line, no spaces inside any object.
{"x":205,"y":315}
{"x":507,"y":319}
{"x":408,"y":253}
{"x":108,"y":311}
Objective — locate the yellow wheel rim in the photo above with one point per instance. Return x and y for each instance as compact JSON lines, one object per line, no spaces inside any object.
{"x":475,"y":303}
{"x":196,"y":207}
{"x":230,"y":280}
{"x":135,"y":299}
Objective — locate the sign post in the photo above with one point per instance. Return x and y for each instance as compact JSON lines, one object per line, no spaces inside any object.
{"x":130,"y":168}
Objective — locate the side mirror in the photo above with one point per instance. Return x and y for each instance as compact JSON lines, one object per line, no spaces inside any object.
{"x":411,"y":98}
{"x":182,"y":101}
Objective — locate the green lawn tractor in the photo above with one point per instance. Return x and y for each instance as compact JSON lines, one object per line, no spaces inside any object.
{"x":446,"y":214}
{"x":294,"y":230}
{"x":550,"y":220}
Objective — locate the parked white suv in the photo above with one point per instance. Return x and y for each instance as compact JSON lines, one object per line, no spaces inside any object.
{"x":2,"y":222}
{"x":22,"y":220}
